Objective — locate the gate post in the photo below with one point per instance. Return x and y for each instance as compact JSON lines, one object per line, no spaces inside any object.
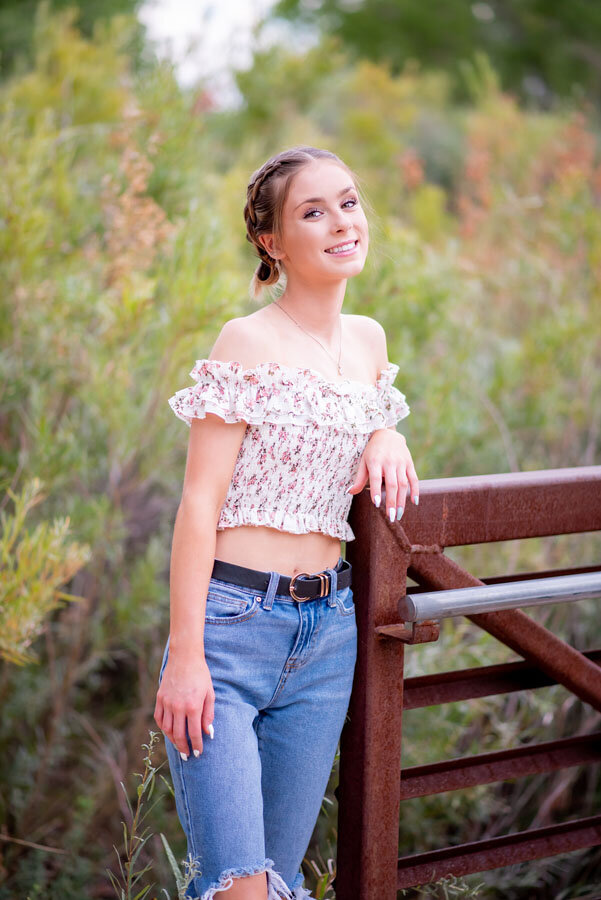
{"x":370,"y":743}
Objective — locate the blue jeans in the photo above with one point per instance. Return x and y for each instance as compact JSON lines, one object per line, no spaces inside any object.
{"x":282,"y":672}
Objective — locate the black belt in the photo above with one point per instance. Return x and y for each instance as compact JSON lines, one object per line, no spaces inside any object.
{"x":301,"y":587}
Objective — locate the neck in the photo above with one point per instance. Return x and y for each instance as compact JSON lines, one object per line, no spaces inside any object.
{"x":316,"y":308}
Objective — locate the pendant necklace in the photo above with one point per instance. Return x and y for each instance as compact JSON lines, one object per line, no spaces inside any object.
{"x":316,"y":339}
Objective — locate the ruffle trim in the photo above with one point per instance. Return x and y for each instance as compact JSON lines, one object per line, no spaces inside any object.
{"x":277,"y":889}
{"x":297,"y":523}
{"x":273,"y":392}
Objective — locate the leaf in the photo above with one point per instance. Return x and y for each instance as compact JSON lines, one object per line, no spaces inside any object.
{"x":179,"y":878}
{"x":129,"y":806}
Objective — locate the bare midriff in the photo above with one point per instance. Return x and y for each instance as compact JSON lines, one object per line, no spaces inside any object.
{"x":271,"y":550}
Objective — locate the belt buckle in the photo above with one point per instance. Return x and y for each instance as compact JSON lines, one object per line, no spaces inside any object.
{"x":324,"y":580}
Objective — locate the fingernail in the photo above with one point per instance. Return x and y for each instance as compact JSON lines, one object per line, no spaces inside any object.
{"x":377,"y":500}
{"x":391,"y":513}
{"x":399,"y":512}
{"x":348,"y":490}
{"x":416,"y":501}
{"x":196,"y":752}
{"x":211,"y":731}
{"x":184,"y":756}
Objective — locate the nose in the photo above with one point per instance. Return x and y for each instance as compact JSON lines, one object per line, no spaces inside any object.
{"x":342,"y":225}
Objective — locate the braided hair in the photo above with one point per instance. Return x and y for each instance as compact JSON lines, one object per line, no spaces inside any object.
{"x":265,"y":198}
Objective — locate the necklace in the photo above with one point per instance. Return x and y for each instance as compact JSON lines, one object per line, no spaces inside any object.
{"x":316,"y":339}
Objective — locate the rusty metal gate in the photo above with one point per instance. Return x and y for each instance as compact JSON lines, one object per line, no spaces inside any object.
{"x":373,"y":784}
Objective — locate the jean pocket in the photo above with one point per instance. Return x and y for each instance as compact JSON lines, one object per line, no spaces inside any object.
{"x":344,"y":601}
{"x":227,"y":606}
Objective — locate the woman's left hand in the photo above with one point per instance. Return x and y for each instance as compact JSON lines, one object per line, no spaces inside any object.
{"x":387,"y":457}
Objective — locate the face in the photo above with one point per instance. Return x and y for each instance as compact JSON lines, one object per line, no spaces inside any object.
{"x":322,"y":210}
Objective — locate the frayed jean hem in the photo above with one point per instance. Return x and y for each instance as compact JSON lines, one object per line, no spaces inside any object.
{"x":277,"y":889}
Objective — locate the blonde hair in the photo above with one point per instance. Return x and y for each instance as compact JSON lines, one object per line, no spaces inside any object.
{"x":265,"y":198}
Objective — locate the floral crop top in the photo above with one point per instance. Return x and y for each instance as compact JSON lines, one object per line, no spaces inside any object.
{"x":303,"y":442}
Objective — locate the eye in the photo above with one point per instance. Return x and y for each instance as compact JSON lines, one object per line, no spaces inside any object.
{"x":309,"y":213}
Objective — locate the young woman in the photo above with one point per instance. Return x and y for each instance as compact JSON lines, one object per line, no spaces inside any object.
{"x":292,"y":412}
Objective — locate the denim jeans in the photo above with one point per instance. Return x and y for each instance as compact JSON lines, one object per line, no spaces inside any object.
{"x":282,"y":672}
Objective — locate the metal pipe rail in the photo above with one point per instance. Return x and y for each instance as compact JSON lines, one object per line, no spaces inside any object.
{"x":469,"y":601}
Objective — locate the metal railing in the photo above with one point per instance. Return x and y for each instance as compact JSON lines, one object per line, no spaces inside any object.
{"x":373,"y":784}
{"x":493,"y":597}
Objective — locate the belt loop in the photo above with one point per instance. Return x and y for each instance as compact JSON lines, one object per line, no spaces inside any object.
{"x":272,"y":589}
{"x":333,"y":586}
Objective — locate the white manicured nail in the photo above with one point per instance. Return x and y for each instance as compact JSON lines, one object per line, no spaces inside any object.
{"x":211,"y":732}
{"x":196,"y":752}
{"x":391,"y":513}
{"x":184,"y":756}
{"x":377,"y":500}
{"x":416,"y":501}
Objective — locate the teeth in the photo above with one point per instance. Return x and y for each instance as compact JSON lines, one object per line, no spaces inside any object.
{"x":343,"y":248}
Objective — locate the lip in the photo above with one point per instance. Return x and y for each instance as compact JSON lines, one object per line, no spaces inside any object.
{"x":341,"y":244}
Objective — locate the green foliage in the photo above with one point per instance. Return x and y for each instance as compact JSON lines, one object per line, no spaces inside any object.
{"x":34,"y":565}
{"x":69,"y":80}
{"x":18,"y":28}
{"x":122,"y":252}
{"x":125,"y":883}
{"x":540,"y":50}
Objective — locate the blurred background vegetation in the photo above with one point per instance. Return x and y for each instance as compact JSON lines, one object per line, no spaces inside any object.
{"x":475,"y":133}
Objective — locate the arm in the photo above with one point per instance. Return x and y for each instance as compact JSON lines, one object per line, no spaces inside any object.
{"x":375,"y":338}
{"x":186,"y":690}
{"x":378,"y":339}
{"x":212,"y":452}
{"x":386,"y":458}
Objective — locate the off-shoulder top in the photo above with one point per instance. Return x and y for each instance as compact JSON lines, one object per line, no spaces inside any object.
{"x":303,"y":441}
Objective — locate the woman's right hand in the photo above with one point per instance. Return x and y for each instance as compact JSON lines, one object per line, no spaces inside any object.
{"x":185,"y":692}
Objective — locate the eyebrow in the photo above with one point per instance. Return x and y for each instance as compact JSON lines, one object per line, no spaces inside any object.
{"x":350,"y":187}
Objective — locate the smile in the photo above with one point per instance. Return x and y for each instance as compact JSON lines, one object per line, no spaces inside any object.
{"x":343,"y":249}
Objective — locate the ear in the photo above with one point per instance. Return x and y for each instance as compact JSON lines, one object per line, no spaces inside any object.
{"x":270,"y":244}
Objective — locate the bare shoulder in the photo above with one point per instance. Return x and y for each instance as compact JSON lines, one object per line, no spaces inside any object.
{"x":251,"y":340}
{"x":370,"y":327}
{"x":372,"y":337}
{"x":241,"y":339}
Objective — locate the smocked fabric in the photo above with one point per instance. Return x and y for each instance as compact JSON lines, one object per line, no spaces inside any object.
{"x":303,"y":442}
